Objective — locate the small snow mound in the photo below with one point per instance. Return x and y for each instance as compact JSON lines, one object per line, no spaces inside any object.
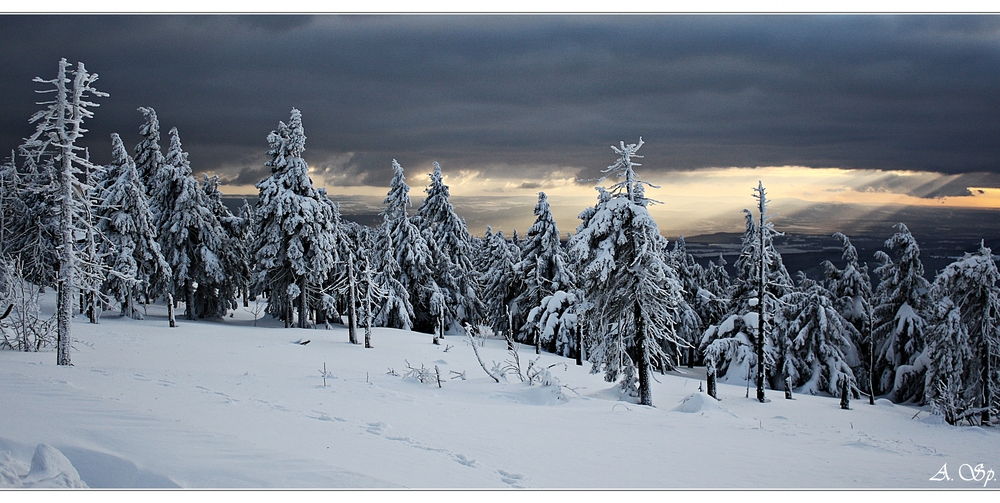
{"x":49,"y":468}
{"x":976,"y":430}
{"x":884,"y":402}
{"x":700,"y":402}
{"x":11,"y":470}
{"x":934,"y":419}
{"x":545,"y":395}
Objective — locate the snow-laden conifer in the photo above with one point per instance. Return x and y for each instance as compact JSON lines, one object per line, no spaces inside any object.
{"x":192,"y":238}
{"x":814,"y":345}
{"x":233,"y":252}
{"x":543,"y":269}
{"x":451,"y":247}
{"x":410,"y":251}
{"x":900,"y":322}
{"x":293,"y":239}
{"x":394,"y":309}
{"x":500,"y":283}
{"x":128,"y":241}
{"x":31,"y":216}
{"x":740,"y":343}
{"x":690,"y":326}
{"x":148,"y":157}
{"x":964,"y":337}
{"x":712,"y":299}
{"x":633,"y":291}
{"x":11,"y":206}
{"x":556,"y":319}
{"x":852,"y":289}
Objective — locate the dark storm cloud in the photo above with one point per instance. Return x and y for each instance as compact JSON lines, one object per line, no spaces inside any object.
{"x":909,"y":92}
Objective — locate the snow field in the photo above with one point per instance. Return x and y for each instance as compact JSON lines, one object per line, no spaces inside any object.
{"x":226,"y":405}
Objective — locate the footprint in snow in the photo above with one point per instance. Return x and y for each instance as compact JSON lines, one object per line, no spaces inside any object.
{"x":512,"y":479}
{"x":377,"y":428}
{"x":324,"y":417}
{"x":462,"y":460}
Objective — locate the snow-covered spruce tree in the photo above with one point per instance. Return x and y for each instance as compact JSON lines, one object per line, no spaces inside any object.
{"x":394,"y":308}
{"x":148,"y":157}
{"x":59,"y":126}
{"x":293,"y":233}
{"x":233,"y":253}
{"x":451,"y":247}
{"x":10,"y":201}
{"x":689,"y":273}
{"x":128,"y":239}
{"x":963,"y":338}
{"x":900,"y":322}
{"x":164,"y":187}
{"x":500,"y":284}
{"x":712,"y":299}
{"x":410,"y":251}
{"x":543,"y":270}
{"x":740,"y":342}
{"x":556,"y":320}
{"x":852,"y":289}
{"x":814,"y":344}
{"x":191,"y":238}
{"x":245,"y":234}
{"x":30,"y":217}
{"x":627,"y":280}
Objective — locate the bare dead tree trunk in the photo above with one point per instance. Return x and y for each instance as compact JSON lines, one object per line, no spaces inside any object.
{"x":761,"y":293}
{"x":352,"y":300}
{"x":510,"y":329}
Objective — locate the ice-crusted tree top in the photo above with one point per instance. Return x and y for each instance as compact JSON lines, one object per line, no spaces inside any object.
{"x":166,"y":182}
{"x":971,"y":282}
{"x":758,"y":243}
{"x":438,"y":215}
{"x":176,"y":156}
{"x":295,"y":224}
{"x":541,"y":248}
{"x":128,"y":235}
{"x":902,"y":281}
{"x":623,"y":167}
{"x":398,"y":198}
{"x":851,"y":283}
{"x":61,"y":122}
{"x":148,"y":157}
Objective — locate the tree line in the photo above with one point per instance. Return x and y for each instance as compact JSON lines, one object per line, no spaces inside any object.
{"x":615,"y":293}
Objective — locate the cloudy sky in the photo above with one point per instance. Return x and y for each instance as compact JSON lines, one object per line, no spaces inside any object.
{"x":860,"y":111}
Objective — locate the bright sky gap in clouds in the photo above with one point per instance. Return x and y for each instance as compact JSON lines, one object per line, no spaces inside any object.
{"x":859,"y":111}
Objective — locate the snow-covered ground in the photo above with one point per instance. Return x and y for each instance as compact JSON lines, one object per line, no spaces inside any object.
{"x":224,"y":404}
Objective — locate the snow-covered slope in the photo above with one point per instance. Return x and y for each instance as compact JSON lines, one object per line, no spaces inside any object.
{"x":224,"y":404}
